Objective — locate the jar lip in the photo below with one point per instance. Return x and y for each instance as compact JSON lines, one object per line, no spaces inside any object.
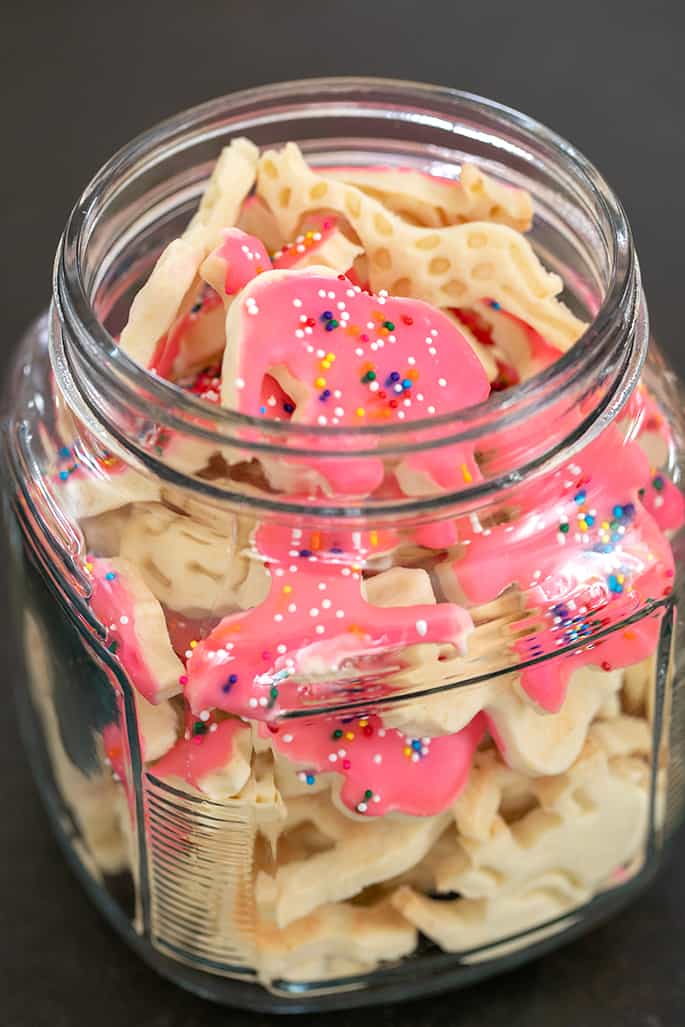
{"x":163,"y":397}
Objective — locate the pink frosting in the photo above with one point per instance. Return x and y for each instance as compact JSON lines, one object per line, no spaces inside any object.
{"x":207,"y":744}
{"x":586,"y":554}
{"x":362,"y":360}
{"x":114,"y":607}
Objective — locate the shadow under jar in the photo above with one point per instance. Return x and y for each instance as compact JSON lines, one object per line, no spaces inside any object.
{"x":383,"y":804}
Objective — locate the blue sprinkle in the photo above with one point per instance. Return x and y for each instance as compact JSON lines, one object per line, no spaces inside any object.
{"x":580,"y":496}
{"x":494,"y":304}
{"x":305,"y":552}
{"x":262,"y":410}
{"x":110,"y":576}
{"x":289,"y":407}
{"x":65,"y":452}
{"x":331,"y":325}
{"x":394,"y":376}
{"x":63,"y":475}
{"x":629,"y":511}
{"x":416,"y":745}
{"x":335,"y":549}
{"x":310,"y":779}
{"x":407,"y":383}
{"x":325,"y":395}
{"x":618,"y":511}
{"x":589,"y":519}
{"x":327,"y":315}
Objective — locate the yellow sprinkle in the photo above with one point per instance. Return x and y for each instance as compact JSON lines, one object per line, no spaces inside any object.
{"x":88,"y":566}
{"x":287,"y":589}
{"x":320,"y":382}
{"x":355,"y":567}
{"x":407,"y":751}
{"x":605,"y":525}
{"x":330,"y":357}
{"x":360,"y":411}
{"x":373,"y":538}
{"x":466,"y":474}
{"x":349,"y":735}
{"x":325,"y":365}
{"x":193,"y":644}
{"x":620,"y":578}
{"x":309,"y":235}
{"x":363,"y":722}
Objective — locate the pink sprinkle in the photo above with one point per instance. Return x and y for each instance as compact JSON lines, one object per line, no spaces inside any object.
{"x":346,"y":764}
{"x":183,"y":680}
{"x":266,"y":655}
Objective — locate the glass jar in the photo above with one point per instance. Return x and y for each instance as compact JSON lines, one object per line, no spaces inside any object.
{"x":488,"y":759}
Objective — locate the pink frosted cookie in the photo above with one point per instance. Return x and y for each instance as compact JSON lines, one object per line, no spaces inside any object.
{"x":587,"y":555}
{"x":346,"y":358}
{"x":137,"y":632}
{"x":317,"y":629}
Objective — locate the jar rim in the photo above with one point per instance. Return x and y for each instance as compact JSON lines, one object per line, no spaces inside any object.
{"x":179,"y":410}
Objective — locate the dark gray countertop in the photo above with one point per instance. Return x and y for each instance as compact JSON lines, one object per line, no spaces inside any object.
{"x":80,"y":78}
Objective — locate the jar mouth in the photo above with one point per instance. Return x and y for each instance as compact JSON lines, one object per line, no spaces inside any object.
{"x":90,"y":349}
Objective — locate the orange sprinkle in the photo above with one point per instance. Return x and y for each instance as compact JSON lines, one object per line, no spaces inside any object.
{"x":315,"y":541}
{"x":320,"y":382}
{"x":466,"y":474}
{"x":407,"y":751}
{"x":630,"y":635}
{"x":352,"y":330}
{"x":363,"y":722}
{"x":373,"y":538}
{"x":412,"y":374}
{"x":349,"y":735}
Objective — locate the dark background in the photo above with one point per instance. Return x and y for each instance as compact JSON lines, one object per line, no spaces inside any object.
{"x":77,"y":80}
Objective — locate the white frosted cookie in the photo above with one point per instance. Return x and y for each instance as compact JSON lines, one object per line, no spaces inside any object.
{"x":94,"y":490}
{"x":339,"y":939}
{"x":172,"y":285}
{"x":367,"y":852}
{"x":453,"y":266}
{"x":190,"y":567}
{"x":587,"y":824}
{"x":423,"y":199}
{"x":533,"y":742}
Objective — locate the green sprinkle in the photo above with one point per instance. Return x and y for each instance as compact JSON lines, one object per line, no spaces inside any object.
{"x":368,"y":794}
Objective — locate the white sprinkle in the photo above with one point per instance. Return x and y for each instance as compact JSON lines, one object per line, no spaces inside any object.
{"x":421,"y":627}
{"x":240,"y":383}
{"x":263,"y":701}
{"x":337,"y":393}
{"x":341,"y":305}
{"x":300,"y":248}
{"x":321,"y":353}
{"x":333,"y":757}
{"x":434,"y":331}
{"x":359,"y":351}
{"x":326,"y":604}
{"x":374,"y":387}
{"x":376,"y":798}
{"x":278,"y":617}
{"x":281,"y":648}
{"x":213,"y":727}
{"x":411,"y":361}
{"x":252,"y":703}
{"x":292,"y":608}
{"x":381,"y":732}
{"x":314,"y":612}
{"x":322,"y":586}
{"x":287,"y":738}
{"x":350,"y":293}
{"x":340,"y":614}
{"x":442,"y":382}
{"x":322,"y":419}
{"x":345,"y":572}
{"x":377,"y":758}
{"x":431,"y":409}
{"x":432,"y":351}
{"x":204,"y":715}
{"x":123,"y":620}
{"x":345,"y":316}
{"x":362,"y":807}
{"x":253,"y":310}
{"x":299,"y":334}
{"x":319,"y":629}
{"x":321,"y":294}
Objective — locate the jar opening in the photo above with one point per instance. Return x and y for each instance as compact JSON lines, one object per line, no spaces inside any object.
{"x":144,"y":195}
